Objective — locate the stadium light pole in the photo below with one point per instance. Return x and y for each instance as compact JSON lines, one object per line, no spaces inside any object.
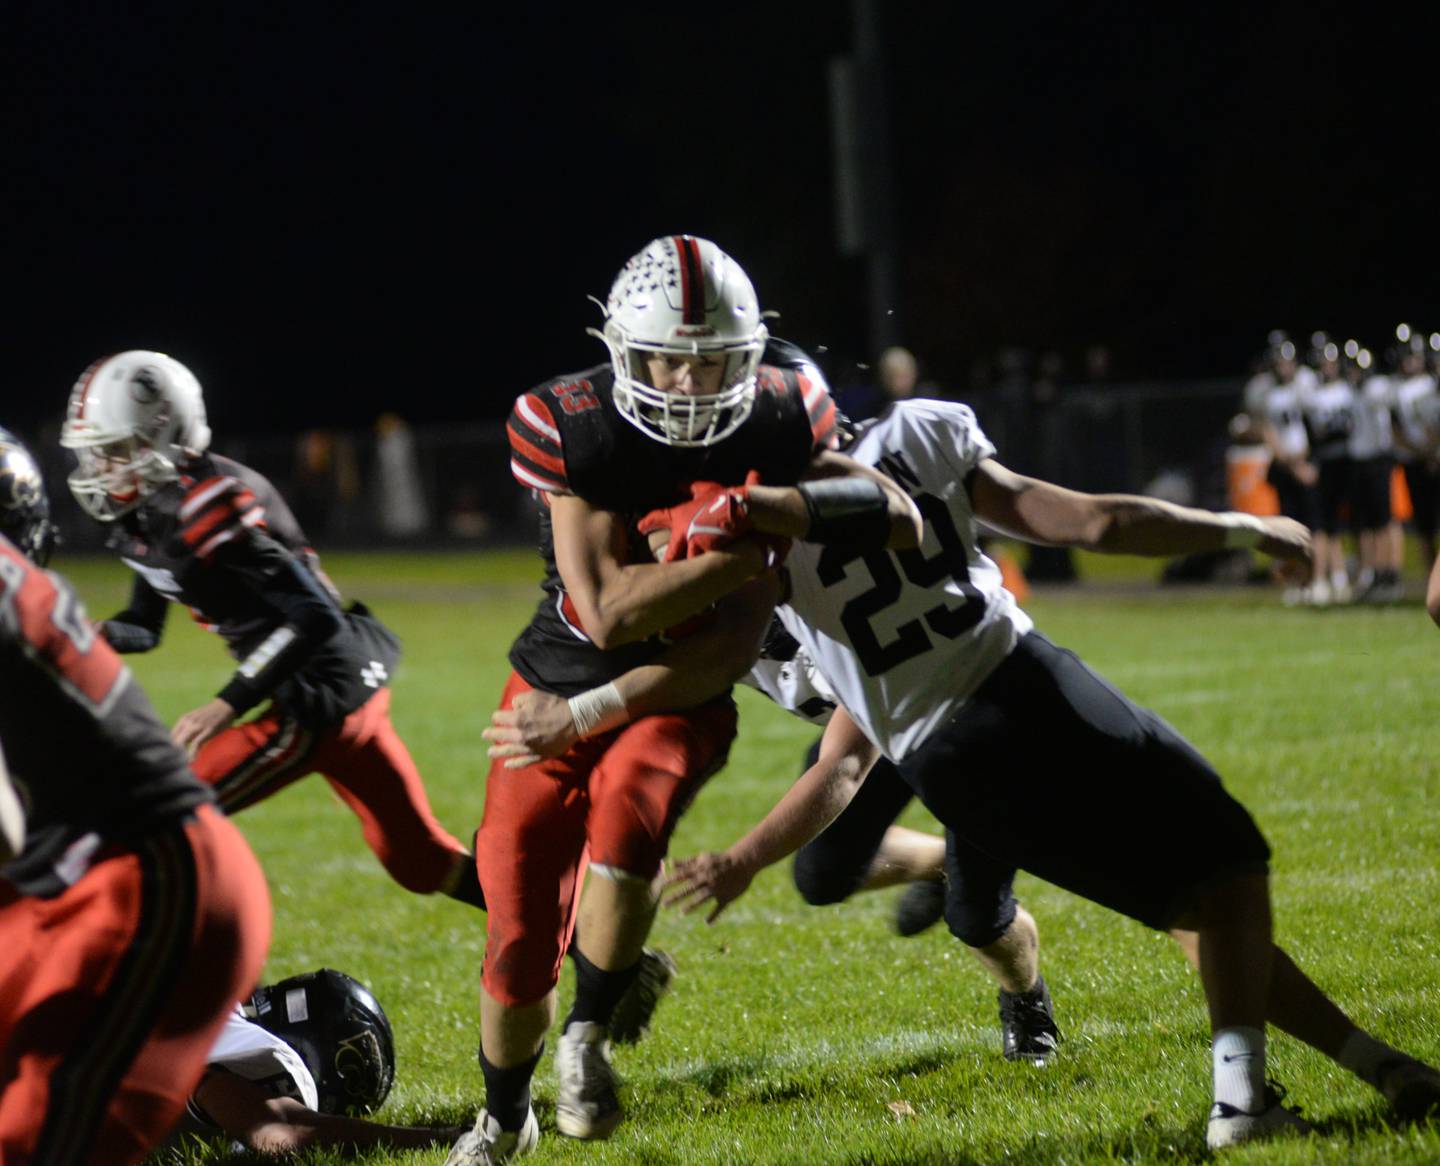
{"x":864,"y":170}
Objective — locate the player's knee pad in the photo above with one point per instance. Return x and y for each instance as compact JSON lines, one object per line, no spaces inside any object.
{"x":822,"y":882}
{"x":978,"y":924}
{"x":617,"y":875}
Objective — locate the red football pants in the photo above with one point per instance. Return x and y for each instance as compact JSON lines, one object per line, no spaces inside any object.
{"x":112,"y":994}
{"x":614,"y":800}
{"x":367,"y":765}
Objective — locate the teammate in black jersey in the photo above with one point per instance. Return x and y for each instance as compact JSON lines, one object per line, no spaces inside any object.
{"x":686,"y":398}
{"x":132,"y":914}
{"x":205,"y":531}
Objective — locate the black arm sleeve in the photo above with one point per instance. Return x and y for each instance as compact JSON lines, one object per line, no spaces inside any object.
{"x":139,"y":627}
{"x":306,"y":616}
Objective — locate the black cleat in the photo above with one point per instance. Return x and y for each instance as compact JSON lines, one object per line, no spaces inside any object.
{"x":635,"y":1010}
{"x":1027,"y":1025}
{"x":1411,"y":1087}
{"x":920,"y":907}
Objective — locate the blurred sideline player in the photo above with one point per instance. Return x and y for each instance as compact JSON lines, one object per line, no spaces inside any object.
{"x":1275,"y":400}
{"x":1330,"y":411}
{"x":685,"y":397}
{"x":1372,"y":451}
{"x":134,"y":915}
{"x":1415,"y":404}
{"x":205,"y":531}
{"x":1025,"y":753}
{"x":296,"y":1066}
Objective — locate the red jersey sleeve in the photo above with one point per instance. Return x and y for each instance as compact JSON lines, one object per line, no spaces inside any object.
{"x":217,"y":511}
{"x":820,"y":408}
{"x":537,"y":457}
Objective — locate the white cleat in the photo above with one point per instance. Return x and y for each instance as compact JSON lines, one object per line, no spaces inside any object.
{"x":1230,"y":1126}
{"x":487,"y":1144}
{"x":586,"y":1103}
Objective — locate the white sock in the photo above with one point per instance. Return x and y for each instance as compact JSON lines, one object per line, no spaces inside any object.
{"x":1363,"y":1055}
{"x":1239,"y":1055}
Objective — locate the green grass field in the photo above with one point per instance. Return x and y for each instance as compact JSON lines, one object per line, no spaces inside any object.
{"x":803,"y":1035}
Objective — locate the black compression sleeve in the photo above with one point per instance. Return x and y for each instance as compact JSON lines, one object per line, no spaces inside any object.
{"x":847,"y":512}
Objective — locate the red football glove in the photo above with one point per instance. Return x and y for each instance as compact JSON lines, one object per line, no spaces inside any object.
{"x":713,"y":516}
{"x":716,"y":516}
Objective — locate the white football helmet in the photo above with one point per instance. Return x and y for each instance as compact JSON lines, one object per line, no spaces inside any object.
{"x":133,"y":418}
{"x":683,"y":296}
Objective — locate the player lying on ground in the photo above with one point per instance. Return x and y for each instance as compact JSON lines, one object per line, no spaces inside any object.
{"x":691,"y":391}
{"x":296,"y":1066}
{"x":1021,"y":750}
{"x":133,"y":915}
{"x":205,"y":531}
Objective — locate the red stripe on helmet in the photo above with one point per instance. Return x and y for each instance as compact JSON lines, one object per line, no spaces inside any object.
{"x":86,"y":378}
{"x":692,"y":279}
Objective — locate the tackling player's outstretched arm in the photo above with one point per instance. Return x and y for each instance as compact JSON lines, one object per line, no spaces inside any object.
{"x":811,"y":804}
{"x":620,"y":601}
{"x":841,"y":501}
{"x":1128,"y":524}
{"x":704,"y":664}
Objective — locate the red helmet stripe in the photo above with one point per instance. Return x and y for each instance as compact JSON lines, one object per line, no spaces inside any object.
{"x":86,"y":378}
{"x":692,"y":279}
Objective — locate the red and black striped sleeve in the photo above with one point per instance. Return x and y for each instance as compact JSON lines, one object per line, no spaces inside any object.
{"x":215,"y":512}
{"x":537,"y":455}
{"x":820,"y":409}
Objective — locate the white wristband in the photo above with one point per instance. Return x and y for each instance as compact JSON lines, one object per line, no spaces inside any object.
{"x":1242,"y":531}
{"x":597,"y":710}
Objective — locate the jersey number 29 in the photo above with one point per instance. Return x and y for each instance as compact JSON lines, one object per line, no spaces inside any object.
{"x":952,"y":561}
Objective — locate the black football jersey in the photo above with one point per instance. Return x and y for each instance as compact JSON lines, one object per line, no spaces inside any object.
{"x":90,"y":759}
{"x":566,"y":436}
{"x":222,"y":541}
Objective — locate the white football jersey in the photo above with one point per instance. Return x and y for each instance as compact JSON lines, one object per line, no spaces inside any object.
{"x":1330,"y":417}
{"x":1285,"y":410}
{"x":249,"y":1051}
{"x":1416,"y":405}
{"x":903,"y":638}
{"x":1371,"y":436}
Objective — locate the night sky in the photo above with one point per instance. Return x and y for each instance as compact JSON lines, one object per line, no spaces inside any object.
{"x":327,"y":216}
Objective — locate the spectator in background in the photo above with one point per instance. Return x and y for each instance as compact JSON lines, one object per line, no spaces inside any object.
{"x":899,"y":380}
{"x":401,"y":501}
{"x":326,"y":482}
{"x":467,"y":518}
{"x":1097,"y":366}
{"x":899,"y":375}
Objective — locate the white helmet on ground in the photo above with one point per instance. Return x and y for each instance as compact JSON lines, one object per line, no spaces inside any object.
{"x":683,"y":296}
{"x":133,"y":418}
